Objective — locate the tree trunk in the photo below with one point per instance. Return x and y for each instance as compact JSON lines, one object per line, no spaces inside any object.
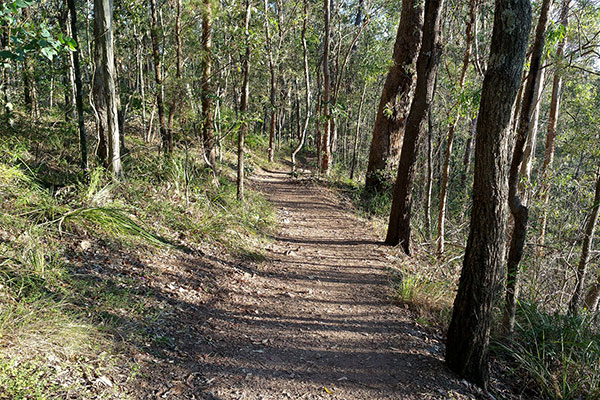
{"x":479,"y":285}
{"x":317,"y":120}
{"x":518,"y":208}
{"x":446,"y":169}
{"x":244,"y":104}
{"x":529,"y":153}
{"x":103,"y":19}
{"x":273,"y":88}
{"x":178,"y":92}
{"x":590,"y":227}
{"x":78,"y":90}
{"x":552,"y":124}
{"x":467,"y":157}
{"x":427,"y":63}
{"x":396,"y":96}
{"x":167,"y":138}
{"x":429,"y":180}
{"x":357,"y":133}
{"x":29,"y":84}
{"x":99,"y":99}
{"x":208,"y":136}
{"x":70,"y":91}
{"x":593,"y":297}
{"x":141,"y":87}
{"x":326,"y":146}
{"x":306,"y":86}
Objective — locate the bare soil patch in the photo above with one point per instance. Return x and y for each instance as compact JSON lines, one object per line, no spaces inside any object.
{"x":315,"y":320}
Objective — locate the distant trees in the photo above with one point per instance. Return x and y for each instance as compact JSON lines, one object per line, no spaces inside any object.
{"x":272,"y":87}
{"x":557,"y":83}
{"x":479,"y":286}
{"x":591,"y":300}
{"x":473,"y":5}
{"x":304,"y":128}
{"x":516,"y":201}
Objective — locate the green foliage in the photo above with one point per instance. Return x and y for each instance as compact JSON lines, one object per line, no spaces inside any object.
{"x":27,"y":37}
{"x":559,"y":353}
{"x":24,"y":380}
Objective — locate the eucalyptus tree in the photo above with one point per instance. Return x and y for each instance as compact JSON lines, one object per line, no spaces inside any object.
{"x":396,"y":96}
{"x":78,"y":88}
{"x":208,"y":136}
{"x":467,"y":349}
{"x":326,"y":140}
{"x":104,"y":86}
{"x":244,"y":102}
{"x":517,"y":204}
{"x":399,"y":228}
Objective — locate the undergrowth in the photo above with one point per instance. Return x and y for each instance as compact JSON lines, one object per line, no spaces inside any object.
{"x":557,"y":355}
{"x":59,"y":232}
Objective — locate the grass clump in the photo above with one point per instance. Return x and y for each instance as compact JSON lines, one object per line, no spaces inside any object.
{"x":368,"y":203}
{"x":424,"y":293}
{"x":557,"y":354}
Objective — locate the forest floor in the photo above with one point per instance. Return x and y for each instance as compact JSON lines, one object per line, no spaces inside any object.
{"x":314,"y":320}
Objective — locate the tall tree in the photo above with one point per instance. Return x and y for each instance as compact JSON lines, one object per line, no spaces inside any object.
{"x":78,"y":89}
{"x":272,"y":87}
{"x":208,"y":136}
{"x":326,"y":140}
{"x":479,"y":285}
{"x":105,"y":62}
{"x":178,"y":92}
{"x":396,"y":96}
{"x":244,"y":102}
{"x":165,"y":134}
{"x":427,"y":64}
{"x":450,"y":140}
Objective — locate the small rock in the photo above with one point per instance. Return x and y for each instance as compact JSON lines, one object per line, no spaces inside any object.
{"x":104,"y":380}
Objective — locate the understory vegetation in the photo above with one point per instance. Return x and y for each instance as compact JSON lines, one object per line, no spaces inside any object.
{"x":74,"y":296}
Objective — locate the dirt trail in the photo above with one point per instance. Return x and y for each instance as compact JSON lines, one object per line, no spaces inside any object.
{"x":315,"y":321}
